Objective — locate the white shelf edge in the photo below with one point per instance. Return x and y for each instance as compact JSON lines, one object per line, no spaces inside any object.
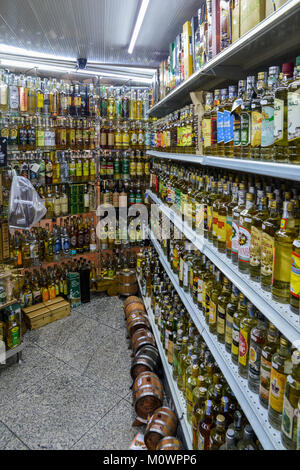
{"x":12,"y":352}
{"x":257,"y":416}
{"x":286,"y":322}
{"x":267,"y":168}
{"x":177,"y":396}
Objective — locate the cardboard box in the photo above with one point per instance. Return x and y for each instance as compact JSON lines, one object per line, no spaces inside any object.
{"x":273,"y":5}
{"x":236,"y":24}
{"x":252,"y":13}
{"x":187,"y":50}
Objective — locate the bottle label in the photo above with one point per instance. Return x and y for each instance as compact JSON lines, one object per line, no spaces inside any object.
{"x":13,"y":97}
{"x":267,"y":126}
{"x":222,"y":228}
{"x":15,"y":337}
{"x":186,"y":274}
{"x":206,"y":132}
{"x":245,"y":129}
{"x":237,"y":130}
{"x":254,"y":361}
{"x":289,"y":420}
{"x":235,"y":238}
{"x":220,"y":127}
{"x":255,"y":246}
{"x":295,"y":275}
{"x":228,"y":127}
{"x":228,"y":329}
{"x":199,"y":291}
{"x":235,"y":340}
{"x":221,"y":320}
{"x":256,"y":119}
{"x":243,"y":347}
{"x":293,"y":115}
{"x":267,"y":254}
{"x":209,"y":218}
{"x":228,"y":232}
{"x":212,"y":313}
{"x":244,"y":244}
{"x":278,"y":119}
{"x":277,"y":384}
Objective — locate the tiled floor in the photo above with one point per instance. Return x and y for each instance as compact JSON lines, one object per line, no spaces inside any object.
{"x":72,"y":390}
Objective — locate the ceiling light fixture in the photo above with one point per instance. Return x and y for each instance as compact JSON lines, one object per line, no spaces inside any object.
{"x":138,"y":25}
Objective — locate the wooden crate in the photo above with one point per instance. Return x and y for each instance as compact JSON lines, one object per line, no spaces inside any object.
{"x":44,"y":313}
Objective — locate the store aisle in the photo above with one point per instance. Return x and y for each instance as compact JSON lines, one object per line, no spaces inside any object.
{"x":72,"y":389}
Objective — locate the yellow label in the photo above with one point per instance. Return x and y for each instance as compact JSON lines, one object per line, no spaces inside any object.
{"x":243,"y":347}
{"x":295,"y":275}
{"x":255,"y":246}
{"x":222,"y":228}
{"x":40,"y":100}
{"x":267,"y":254}
{"x":277,"y":384}
{"x":256,"y":120}
{"x":209,"y":218}
{"x":215,"y":224}
{"x":212,"y":313}
{"x":206,"y":132}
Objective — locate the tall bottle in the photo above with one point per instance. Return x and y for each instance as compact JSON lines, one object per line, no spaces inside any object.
{"x":246,"y":325}
{"x":293,"y":121}
{"x":267,"y":108}
{"x":258,"y":337}
{"x":245,"y":224}
{"x":290,"y":405}
{"x":269,"y":228}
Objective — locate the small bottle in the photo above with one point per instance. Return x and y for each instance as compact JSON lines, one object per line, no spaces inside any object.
{"x":230,"y":441}
{"x":217,"y":435}
{"x":247,"y":443}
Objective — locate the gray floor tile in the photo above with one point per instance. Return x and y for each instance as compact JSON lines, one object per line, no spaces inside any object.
{"x":113,"y":432}
{"x":8,"y":441}
{"x":58,"y":411}
{"x":70,"y":336}
{"x":15,"y":378}
{"x":107,"y":310}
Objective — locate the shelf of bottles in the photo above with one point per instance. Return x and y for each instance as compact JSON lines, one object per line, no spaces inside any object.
{"x":252,"y":50}
{"x":279,"y":314}
{"x":258,"y":417}
{"x":278,"y":170}
{"x":177,"y":396}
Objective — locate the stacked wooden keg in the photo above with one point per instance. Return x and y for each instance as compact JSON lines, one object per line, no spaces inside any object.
{"x":148,"y":394}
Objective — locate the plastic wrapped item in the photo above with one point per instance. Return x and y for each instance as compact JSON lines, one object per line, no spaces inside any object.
{"x":26,"y":208}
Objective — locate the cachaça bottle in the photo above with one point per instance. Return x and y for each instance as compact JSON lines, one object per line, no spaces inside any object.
{"x":236,"y":110}
{"x":236,"y":211}
{"x":269,"y":228}
{"x":280,"y":369}
{"x":230,"y":441}
{"x":223,"y":219}
{"x":230,"y":310}
{"x":206,"y":123}
{"x":256,"y":238}
{"x":290,"y":405}
{"x":199,"y":408}
{"x":180,"y":364}
{"x":247,"y":323}
{"x":247,"y":443}
{"x":267,"y":112}
{"x":293,"y":121}
{"x":223,"y":301}
{"x":295,"y":277}
{"x":280,"y":149}
{"x":269,"y":348}
{"x":245,"y":224}
{"x":284,"y":239}
{"x":213,"y":303}
{"x":236,"y":321}
{"x":258,"y":337}
{"x":245,"y":147}
{"x":204,"y":428}
{"x":190,"y":386}
{"x":218,"y":433}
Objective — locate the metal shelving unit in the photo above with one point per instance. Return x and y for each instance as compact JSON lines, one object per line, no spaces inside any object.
{"x":18,"y":350}
{"x":279,"y":314}
{"x":277,"y":170}
{"x":264,"y":45}
{"x":177,"y":395}
{"x":257,"y":416}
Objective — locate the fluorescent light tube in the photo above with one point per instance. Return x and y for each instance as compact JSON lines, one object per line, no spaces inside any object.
{"x":138,"y":25}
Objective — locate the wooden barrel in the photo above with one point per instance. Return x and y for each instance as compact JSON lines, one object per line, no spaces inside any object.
{"x":140,"y":338}
{"x":162,"y":423}
{"x":134,"y":308}
{"x":127,"y":283}
{"x":137,"y":321}
{"x":169,"y":443}
{"x":148,"y":395}
{"x":130,"y":300}
{"x":147,"y":359}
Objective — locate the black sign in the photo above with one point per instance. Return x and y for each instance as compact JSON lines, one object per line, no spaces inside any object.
{"x":3,"y":151}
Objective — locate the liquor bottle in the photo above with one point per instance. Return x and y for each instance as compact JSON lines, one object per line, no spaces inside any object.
{"x":13,"y":334}
{"x":280,"y":149}
{"x":204,"y":428}
{"x":293,"y":116}
{"x":267,"y":111}
{"x":228,"y":208}
{"x":230,"y":310}
{"x":222,"y":219}
{"x":230,"y":443}
{"x":256,"y":115}
{"x":206,"y":123}
{"x":290,"y":405}
{"x":281,"y":368}
{"x":283,"y":252}
{"x":236,"y":321}
{"x":247,"y":443}
{"x":223,"y":302}
{"x":190,"y":386}
{"x":245,"y":224}
{"x":269,"y":228}
{"x":236,"y":211}
{"x":217,"y":435}
{"x":237,"y":110}
{"x":246,"y":119}
{"x":247,"y":323}
{"x":199,"y":408}
{"x":214,"y":303}
{"x":258,"y":336}
{"x":256,"y":238}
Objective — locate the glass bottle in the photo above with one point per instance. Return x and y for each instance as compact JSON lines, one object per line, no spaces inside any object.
{"x":280,"y":369}
{"x":269,"y":228}
{"x":218,"y":433}
{"x":267,"y":109}
{"x":256,"y":238}
{"x":236,"y":211}
{"x":247,"y":443}
{"x":236,"y":321}
{"x":246,"y":119}
{"x":223,"y":302}
{"x":256,"y":115}
{"x":268,"y":350}
{"x":199,"y":408}
{"x":230,"y":310}
{"x":290,"y":405}
{"x":245,"y":224}
{"x":204,"y":428}
{"x":247,"y":323}
{"x":13,"y":334}
{"x":293,"y":122}
{"x":283,"y":252}
{"x":258,"y":336}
